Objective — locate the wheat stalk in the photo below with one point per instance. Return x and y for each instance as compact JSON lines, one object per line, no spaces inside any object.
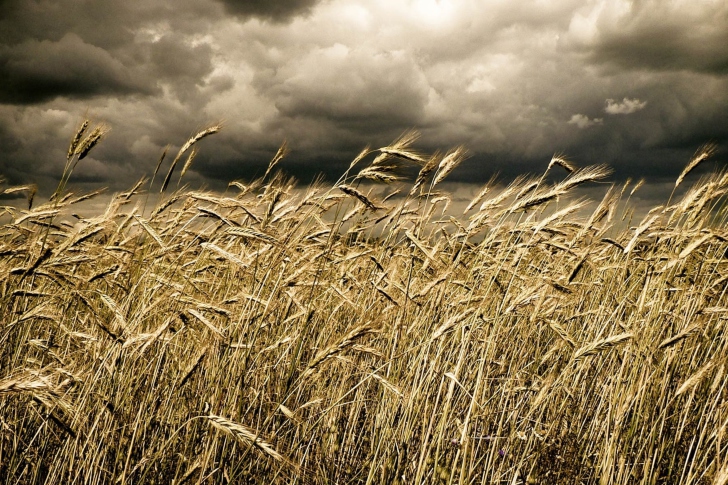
{"x":77,"y":139}
{"x":93,"y":139}
{"x":695,"y":379}
{"x":448,"y":164}
{"x":188,"y":144}
{"x":283,"y":150}
{"x":559,"y":160}
{"x":349,"y":190}
{"x":601,"y":345}
{"x":702,"y":154}
{"x":246,"y":436}
{"x":334,"y":349}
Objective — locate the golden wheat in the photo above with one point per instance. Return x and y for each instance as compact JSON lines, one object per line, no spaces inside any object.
{"x":364,"y":333}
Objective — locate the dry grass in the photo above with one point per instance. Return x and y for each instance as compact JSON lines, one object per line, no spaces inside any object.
{"x":335,"y":335}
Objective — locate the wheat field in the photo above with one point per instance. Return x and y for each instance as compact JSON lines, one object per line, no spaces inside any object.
{"x":360,"y":332}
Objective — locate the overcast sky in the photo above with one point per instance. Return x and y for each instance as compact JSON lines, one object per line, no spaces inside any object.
{"x":639,"y":85}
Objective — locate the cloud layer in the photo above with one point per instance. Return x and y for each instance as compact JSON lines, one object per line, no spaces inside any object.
{"x":636,"y":84}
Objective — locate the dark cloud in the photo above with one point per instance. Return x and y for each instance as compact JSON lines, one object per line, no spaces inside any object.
{"x":105,"y":25}
{"x":666,"y":49}
{"x":277,"y":11}
{"x":37,"y":71}
{"x":657,"y":35}
{"x":84,"y":49}
{"x":112,"y":26}
{"x":181,"y":65}
{"x":636,"y":84}
{"x":351,"y":88}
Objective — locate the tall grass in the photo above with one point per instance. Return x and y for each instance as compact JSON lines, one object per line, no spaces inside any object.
{"x":327,"y":335}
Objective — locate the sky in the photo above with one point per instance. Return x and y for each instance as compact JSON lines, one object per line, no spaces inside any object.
{"x":639,"y":85}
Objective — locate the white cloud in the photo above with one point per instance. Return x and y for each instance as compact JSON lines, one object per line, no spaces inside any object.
{"x":479,"y":85}
{"x":627,"y":106}
{"x":583,"y":121}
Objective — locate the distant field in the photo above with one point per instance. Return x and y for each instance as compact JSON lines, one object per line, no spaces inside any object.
{"x":327,"y":336}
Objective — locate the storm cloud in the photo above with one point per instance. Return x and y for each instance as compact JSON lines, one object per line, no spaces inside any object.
{"x":281,"y":10}
{"x":656,"y":35}
{"x":636,"y":84}
{"x":37,"y":71}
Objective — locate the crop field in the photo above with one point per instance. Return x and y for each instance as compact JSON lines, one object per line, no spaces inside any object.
{"x":362,"y":332}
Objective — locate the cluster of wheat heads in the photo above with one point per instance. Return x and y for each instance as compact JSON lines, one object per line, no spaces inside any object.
{"x":340,"y":334}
